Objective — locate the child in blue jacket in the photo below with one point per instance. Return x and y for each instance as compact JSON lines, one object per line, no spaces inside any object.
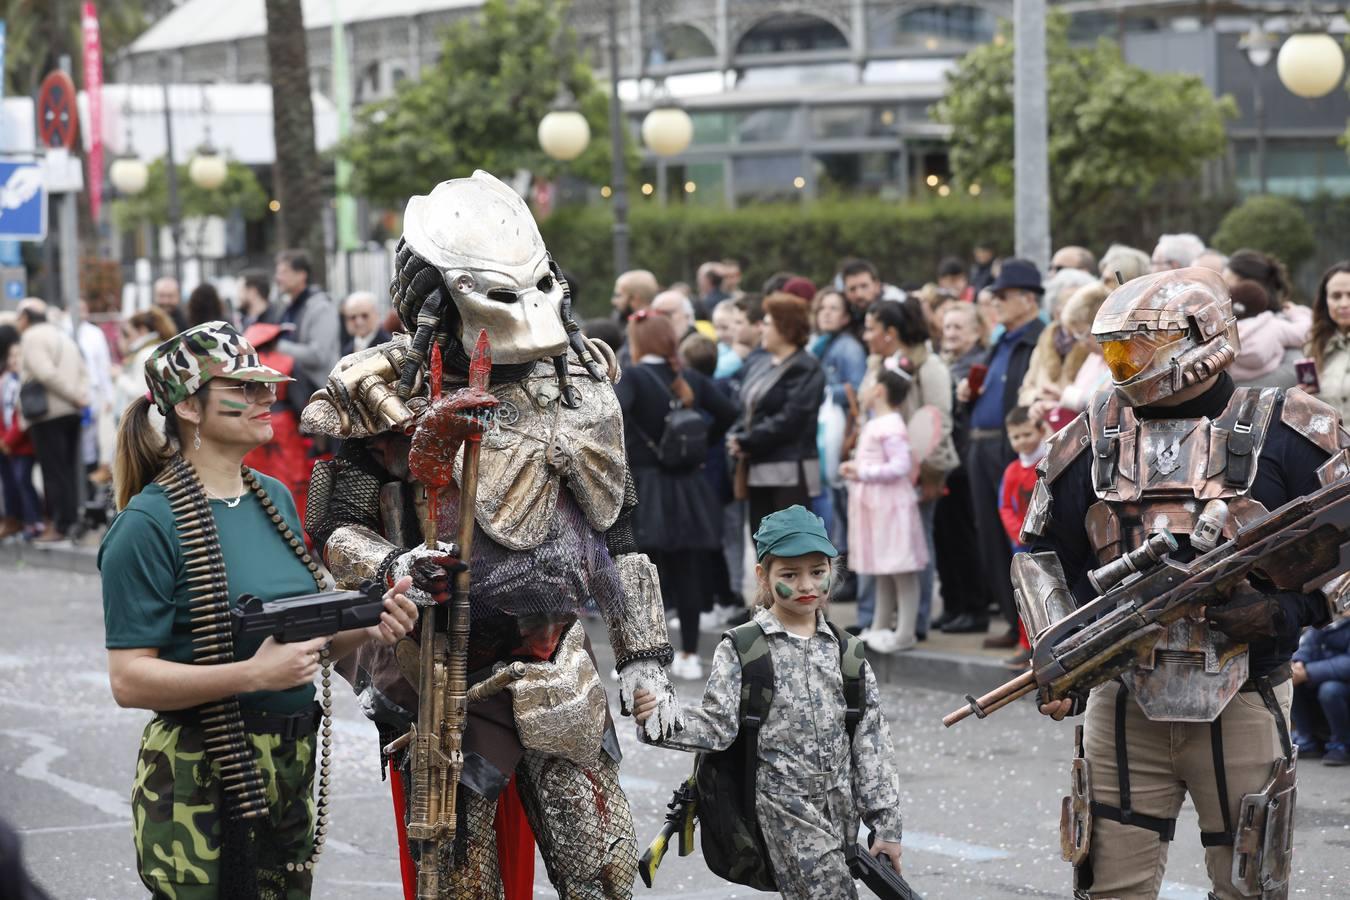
{"x":1321,"y":676}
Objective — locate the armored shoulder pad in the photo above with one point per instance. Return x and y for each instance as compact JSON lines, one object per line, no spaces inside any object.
{"x":1066,"y":445}
{"x":1315,"y":419}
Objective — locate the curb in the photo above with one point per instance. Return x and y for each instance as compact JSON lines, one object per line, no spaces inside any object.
{"x":954,"y":672}
{"x":66,"y":559}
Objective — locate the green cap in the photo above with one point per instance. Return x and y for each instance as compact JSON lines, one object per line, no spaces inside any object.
{"x":795,"y":531}
{"x":185,"y":362}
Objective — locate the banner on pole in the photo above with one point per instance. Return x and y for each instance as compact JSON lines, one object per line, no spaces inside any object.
{"x":93,"y":86}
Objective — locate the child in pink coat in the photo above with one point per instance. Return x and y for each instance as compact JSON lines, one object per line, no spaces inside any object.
{"x":885,"y":533}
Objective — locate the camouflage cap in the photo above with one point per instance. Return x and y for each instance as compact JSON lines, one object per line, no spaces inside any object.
{"x":180,"y":366}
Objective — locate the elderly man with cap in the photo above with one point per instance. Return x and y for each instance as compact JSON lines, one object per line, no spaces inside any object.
{"x":1017,"y":292}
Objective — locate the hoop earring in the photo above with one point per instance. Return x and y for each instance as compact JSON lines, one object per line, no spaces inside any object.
{"x":197,"y":438}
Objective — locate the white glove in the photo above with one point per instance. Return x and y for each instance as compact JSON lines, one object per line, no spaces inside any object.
{"x":431,"y":571}
{"x":650,"y":675}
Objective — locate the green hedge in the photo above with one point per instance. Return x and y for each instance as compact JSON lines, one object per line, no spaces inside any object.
{"x":906,"y":242}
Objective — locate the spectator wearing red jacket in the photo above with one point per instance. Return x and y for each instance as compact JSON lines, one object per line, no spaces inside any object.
{"x":23,"y":509}
{"x":1028,"y":438}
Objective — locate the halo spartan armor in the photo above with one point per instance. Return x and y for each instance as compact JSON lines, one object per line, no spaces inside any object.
{"x":554,"y":501}
{"x":1159,"y":482}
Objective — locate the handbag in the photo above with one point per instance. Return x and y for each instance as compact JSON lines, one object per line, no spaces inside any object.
{"x":33,"y":405}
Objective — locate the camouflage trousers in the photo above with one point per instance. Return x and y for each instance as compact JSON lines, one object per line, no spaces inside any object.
{"x":805,"y":826}
{"x":176,"y":814}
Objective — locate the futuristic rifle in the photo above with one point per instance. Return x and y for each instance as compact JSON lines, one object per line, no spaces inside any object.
{"x":293,"y":619}
{"x":681,"y":812}
{"x":1298,"y":547}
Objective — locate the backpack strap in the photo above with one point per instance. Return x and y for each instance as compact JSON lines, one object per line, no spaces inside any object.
{"x":851,"y":660}
{"x":756,"y":697}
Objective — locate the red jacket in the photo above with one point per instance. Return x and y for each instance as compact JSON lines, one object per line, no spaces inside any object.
{"x":1014,"y":496}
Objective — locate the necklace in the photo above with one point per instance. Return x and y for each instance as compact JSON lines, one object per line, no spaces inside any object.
{"x":229,"y":504}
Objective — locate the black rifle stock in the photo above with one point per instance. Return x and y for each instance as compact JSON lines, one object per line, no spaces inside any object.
{"x":293,"y":619}
{"x":1297,"y":547}
{"x":879,"y":875}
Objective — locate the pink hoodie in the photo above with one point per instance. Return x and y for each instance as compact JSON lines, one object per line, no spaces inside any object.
{"x":1265,"y":337}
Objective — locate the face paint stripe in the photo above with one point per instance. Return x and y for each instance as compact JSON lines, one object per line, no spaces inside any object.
{"x":233,"y":404}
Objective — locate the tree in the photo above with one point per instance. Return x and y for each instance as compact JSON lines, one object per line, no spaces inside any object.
{"x":240,"y":191}
{"x":39,"y":31}
{"x":297,"y":177}
{"x":1274,"y":225}
{"x":1116,"y":132}
{"x":479,"y":106}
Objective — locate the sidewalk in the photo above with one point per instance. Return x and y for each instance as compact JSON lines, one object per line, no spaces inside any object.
{"x":949,"y":662}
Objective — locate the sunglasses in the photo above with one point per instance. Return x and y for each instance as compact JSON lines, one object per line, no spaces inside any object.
{"x":254,"y":391}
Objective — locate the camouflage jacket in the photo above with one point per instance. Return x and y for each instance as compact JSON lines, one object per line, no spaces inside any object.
{"x":803,"y":744}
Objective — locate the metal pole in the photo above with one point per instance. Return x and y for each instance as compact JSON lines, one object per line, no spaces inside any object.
{"x":171,"y":173}
{"x":618,"y":178}
{"x":1259,"y":109}
{"x":1031,"y":173}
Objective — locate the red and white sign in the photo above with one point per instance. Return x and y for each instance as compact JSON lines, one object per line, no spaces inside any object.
{"x":93,"y":86}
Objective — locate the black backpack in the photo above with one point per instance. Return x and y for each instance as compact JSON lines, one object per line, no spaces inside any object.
{"x":732,"y":842}
{"x":684,"y":435}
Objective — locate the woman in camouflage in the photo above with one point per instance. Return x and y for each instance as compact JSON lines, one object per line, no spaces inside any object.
{"x":221,"y":803}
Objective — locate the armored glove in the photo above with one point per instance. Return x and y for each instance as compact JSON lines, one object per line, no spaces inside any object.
{"x":431,"y":572}
{"x":1254,"y":615}
{"x":650,"y":675}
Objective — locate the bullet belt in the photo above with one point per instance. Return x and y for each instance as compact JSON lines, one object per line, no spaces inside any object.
{"x":290,"y":727}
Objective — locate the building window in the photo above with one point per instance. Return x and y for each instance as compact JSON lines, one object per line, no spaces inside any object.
{"x":935,"y":28}
{"x":793,"y":33}
{"x":829,"y":123}
{"x":678,"y":42}
{"x":766,"y":179}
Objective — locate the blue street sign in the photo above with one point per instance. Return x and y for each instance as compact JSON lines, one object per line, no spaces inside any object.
{"x":23,"y":201}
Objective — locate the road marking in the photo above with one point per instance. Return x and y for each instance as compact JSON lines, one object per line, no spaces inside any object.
{"x":62,"y":829}
{"x":945,"y":846}
{"x":37,"y":767}
{"x":1173,"y":891}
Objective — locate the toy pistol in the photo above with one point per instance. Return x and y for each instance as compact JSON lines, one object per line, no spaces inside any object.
{"x":292,"y":619}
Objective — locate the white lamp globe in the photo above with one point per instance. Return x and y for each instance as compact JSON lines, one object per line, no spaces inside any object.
{"x":1311,"y":65}
{"x":207,"y":169}
{"x":564,"y":134}
{"x":129,"y":175}
{"x":667,"y":130}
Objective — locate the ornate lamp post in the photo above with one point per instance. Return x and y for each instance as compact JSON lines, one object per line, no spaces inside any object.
{"x":1259,"y":45}
{"x":1311,"y":63}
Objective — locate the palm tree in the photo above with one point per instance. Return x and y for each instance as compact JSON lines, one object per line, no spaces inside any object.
{"x":297,"y":176}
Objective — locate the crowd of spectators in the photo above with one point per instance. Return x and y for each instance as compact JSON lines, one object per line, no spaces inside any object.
{"x":909,"y":416}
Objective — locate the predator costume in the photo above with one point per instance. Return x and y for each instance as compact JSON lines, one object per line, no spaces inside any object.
{"x":551,"y":532}
{"x":1208,"y":713}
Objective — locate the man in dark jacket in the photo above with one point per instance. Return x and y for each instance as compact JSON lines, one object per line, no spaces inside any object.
{"x":1321,"y":676}
{"x":1018,"y":291}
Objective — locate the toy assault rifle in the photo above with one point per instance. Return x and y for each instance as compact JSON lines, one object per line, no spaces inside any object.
{"x":681,"y":812}
{"x":1298,"y":547}
{"x":879,"y":875}
{"x":293,"y":619}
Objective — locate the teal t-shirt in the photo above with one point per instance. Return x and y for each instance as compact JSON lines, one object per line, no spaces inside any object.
{"x":146,"y":602}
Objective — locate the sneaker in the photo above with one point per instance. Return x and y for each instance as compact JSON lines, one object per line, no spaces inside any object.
{"x":709,"y":621}
{"x":686,"y":667}
{"x":882,"y":642}
{"x":1019,"y":660}
{"x":1336,"y":755}
{"x":1005,"y":641}
{"x":1309,"y":749}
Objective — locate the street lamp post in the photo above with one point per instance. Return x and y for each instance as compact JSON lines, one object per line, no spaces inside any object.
{"x":1259,"y":45}
{"x":618,"y":177}
{"x":171,"y":174}
{"x":1311,"y":63}
{"x":1031,"y":201}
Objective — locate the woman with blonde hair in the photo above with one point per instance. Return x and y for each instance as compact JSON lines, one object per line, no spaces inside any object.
{"x":1084,"y":369}
{"x":141,"y":333}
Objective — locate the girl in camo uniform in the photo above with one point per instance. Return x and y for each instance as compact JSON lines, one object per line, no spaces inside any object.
{"x":812,"y":783}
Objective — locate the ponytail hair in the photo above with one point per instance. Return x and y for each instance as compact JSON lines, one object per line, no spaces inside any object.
{"x":142,"y":452}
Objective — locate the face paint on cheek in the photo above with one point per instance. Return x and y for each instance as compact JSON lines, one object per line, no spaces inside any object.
{"x":782,"y":590}
{"x":233,"y":408}
{"x":825,"y":584}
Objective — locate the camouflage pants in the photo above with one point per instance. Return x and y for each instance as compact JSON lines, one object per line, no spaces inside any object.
{"x":176,"y":819}
{"x":804,"y":829}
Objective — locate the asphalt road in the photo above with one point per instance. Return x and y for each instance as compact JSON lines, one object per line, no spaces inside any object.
{"x":980,"y":802}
